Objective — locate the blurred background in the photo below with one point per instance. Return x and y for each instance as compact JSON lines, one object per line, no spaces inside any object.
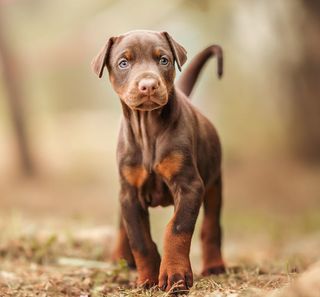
{"x":59,"y":122}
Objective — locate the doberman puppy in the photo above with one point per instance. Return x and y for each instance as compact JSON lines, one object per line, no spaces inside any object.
{"x":168,"y":153}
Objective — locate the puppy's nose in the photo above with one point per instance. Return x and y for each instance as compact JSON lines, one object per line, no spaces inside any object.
{"x":148,"y":86}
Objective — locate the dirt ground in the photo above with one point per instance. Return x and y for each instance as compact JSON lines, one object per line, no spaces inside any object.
{"x":56,"y":235}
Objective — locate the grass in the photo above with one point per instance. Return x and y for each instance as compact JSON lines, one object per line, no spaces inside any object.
{"x":74,"y":278}
{"x":69,"y":263}
{"x":51,"y":245}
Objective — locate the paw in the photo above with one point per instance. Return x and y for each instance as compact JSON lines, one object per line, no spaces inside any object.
{"x":147,"y":282}
{"x":214,"y":270}
{"x":176,"y":279}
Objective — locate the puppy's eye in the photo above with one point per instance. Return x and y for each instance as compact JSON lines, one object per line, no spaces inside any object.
{"x":163,"y":61}
{"x":123,"y":64}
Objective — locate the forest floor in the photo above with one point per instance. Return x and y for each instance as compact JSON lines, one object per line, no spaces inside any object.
{"x":38,"y":263}
{"x":51,"y":247}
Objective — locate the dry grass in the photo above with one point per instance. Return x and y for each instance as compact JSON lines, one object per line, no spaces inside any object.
{"x":50,"y":244}
{"x":71,"y":263}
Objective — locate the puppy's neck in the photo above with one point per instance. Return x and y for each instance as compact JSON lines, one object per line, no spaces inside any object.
{"x":144,"y":127}
{"x":150,"y":123}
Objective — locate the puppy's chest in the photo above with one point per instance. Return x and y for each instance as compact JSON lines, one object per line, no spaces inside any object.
{"x":149,"y":183}
{"x":140,"y":167}
{"x":150,"y":173}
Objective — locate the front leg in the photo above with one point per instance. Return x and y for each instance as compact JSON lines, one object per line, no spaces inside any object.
{"x":136,"y":222}
{"x":122,"y":249}
{"x":187,"y":189}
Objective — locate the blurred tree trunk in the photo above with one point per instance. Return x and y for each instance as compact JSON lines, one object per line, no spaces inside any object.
{"x":304,"y":85}
{"x":15,"y":102}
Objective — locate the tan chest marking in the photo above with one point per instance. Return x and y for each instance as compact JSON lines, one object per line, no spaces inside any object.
{"x":135,"y":175}
{"x":170,"y":165}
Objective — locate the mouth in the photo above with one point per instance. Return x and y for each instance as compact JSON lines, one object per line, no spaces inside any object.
{"x":147,"y":103}
{"x":147,"y":106}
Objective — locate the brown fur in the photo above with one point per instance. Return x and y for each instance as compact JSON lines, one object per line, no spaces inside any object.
{"x":170,"y":165}
{"x":135,"y":175}
{"x":211,"y":231}
{"x":168,"y":153}
{"x":148,"y":268}
{"x":175,"y":263}
{"x":122,"y":248}
{"x":187,"y":81}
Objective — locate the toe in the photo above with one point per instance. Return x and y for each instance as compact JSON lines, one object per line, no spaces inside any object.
{"x":176,"y":283}
{"x":163,"y":282}
{"x":189,"y":280}
{"x":147,"y":283}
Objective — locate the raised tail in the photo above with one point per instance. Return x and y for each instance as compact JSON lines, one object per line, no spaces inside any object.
{"x":190,"y":75}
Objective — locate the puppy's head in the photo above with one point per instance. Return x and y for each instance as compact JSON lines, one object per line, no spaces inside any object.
{"x":141,"y":67}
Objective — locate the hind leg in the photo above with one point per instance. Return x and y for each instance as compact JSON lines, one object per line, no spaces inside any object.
{"x":122,"y":249}
{"x":211,"y":231}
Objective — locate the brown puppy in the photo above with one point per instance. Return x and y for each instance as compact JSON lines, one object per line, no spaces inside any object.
{"x":168,"y":153}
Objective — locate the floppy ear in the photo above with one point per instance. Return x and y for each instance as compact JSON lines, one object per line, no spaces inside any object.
{"x":99,"y":62}
{"x":178,"y":51}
